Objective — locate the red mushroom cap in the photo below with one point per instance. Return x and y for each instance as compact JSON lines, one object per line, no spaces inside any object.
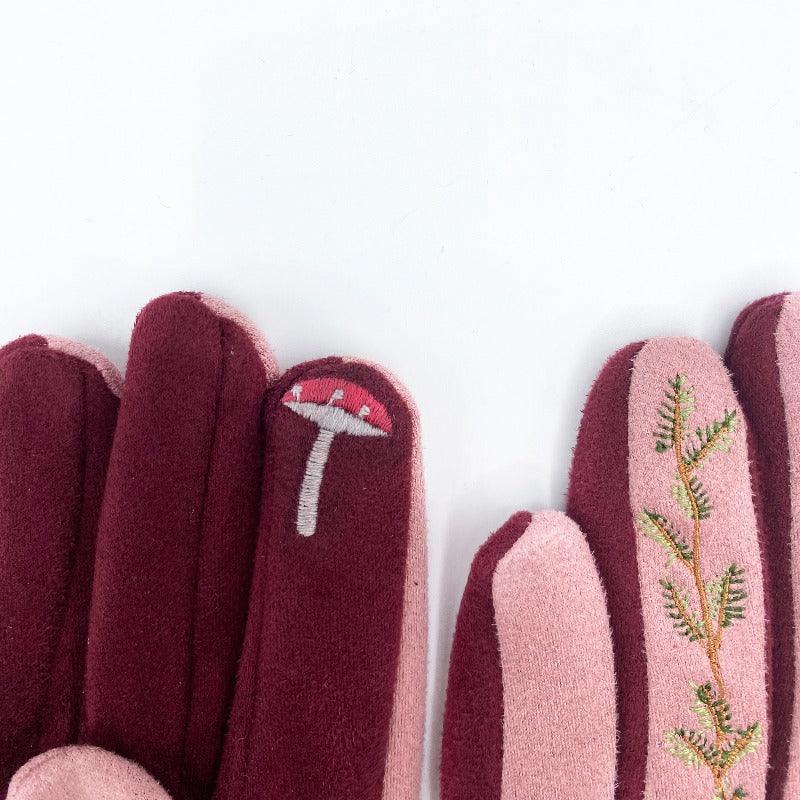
{"x":336,"y":393}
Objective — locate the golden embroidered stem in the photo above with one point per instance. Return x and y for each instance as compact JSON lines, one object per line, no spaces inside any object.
{"x":718,"y":745}
{"x":713,"y":639}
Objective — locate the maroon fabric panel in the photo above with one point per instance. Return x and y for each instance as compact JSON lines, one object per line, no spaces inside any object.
{"x":598,"y":500}
{"x":472,"y":740}
{"x":56,"y":423}
{"x":752,"y":358}
{"x":315,"y":688}
{"x":175,"y":544}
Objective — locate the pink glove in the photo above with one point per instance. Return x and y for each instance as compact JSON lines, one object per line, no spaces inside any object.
{"x":688,"y":690}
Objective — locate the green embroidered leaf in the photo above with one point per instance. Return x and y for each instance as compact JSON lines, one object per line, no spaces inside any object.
{"x":684,"y":619}
{"x":678,"y":405}
{"x":737,"y":794}
{"x":691,"y":747}
{"x":714,"y":438}
{"x":693,"y":498}
{"x":726,"y":596}
{"x":745,"y":742}
{"x":713,"y":712}
{"x":683,"y":500}
{"x":657,"y":527}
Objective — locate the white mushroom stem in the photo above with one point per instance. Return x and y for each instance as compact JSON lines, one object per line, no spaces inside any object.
{"x":312,"y":481}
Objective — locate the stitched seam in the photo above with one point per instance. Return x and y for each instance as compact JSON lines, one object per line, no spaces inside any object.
{"x":259,"y":631}
{"x":72,"y":557}
{"x":198,"y":552}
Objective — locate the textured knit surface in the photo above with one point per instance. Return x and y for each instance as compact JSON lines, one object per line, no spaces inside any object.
{"x":57,"y":417}
{"x":597,"y":501}
{"x":315,"y":695}
{"x":762,"y":353}
{"x":403,"y":771}
{"x":729,"y":536}
{"x":788,"y":344}
{"x":175,"y":543}
{"x":110,"y":374}
{"x":83,"y":773}
{"x":559,"y":722}
{"x":472,"y":743}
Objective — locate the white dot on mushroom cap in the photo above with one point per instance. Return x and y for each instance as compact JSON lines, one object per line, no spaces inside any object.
{"x":336,"y":394}
{"x":297,"y":390}
{"x":363,"y":411}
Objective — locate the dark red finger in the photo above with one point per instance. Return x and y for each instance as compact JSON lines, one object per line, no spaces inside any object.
{"x":763,"y":354}
{"x":58,"y":405}
{"x":330,"y":694}
{"x":175,"y":543}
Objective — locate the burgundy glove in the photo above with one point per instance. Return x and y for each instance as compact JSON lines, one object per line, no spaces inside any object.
{"x":258,"y":620}
{"x":58,"y":407}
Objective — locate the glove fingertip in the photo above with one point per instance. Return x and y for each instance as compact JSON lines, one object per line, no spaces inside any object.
{"x":83,"y":773}
{"x":557,"y":665}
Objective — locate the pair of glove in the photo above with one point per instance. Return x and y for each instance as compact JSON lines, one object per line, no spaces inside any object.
{"x":647,"y":645}
{"x":212,"y":577}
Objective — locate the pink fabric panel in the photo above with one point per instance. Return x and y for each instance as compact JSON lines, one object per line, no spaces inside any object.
{"x":111,"y":375}
{"x":558,"y":671}
{"x":261,"y":345}
{"x":729,"y":536}
{"x":787,"y":340}
{"x":83,"y":773}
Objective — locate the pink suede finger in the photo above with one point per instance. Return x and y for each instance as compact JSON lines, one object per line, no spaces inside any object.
{"x":58,"y":407}
{"x":530,"y":698}
{"x":763,"y":355}
{"x":176,"y":540}
{"x":83,"y":773}
{"x":661,"y":486}
{"x":330,"y":692}
{"x":559,"y":722}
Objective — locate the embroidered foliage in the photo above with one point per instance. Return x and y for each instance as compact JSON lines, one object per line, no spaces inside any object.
{"x":677,"y":603}
{"x":658,"y":529}
{"x":702,"y":613}
{"x":726,"y":595}
{"x":713,"y":712}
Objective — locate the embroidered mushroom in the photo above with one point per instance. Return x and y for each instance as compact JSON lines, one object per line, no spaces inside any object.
{"x":335,"y":406}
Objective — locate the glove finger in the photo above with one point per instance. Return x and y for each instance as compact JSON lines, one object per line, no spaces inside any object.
{"x":58,"y":405}
{"x":330,"y":692}
{"x":555,"y":653}
{"x":472,"y":741}
{"x":688,"y":642}
{"x":763,"y":354}
{"x":81,"y":772}
{"x":531,"y":664}
{"x":175,"y":541}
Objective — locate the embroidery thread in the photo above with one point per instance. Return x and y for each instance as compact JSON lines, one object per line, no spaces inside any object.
{"x":335,"y":406}
{"x":706,"y":608}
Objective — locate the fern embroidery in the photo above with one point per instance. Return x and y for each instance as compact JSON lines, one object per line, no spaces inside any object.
{"x":717,"y":602}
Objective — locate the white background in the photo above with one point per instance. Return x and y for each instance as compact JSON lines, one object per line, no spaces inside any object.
{"x":488,"y":198}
